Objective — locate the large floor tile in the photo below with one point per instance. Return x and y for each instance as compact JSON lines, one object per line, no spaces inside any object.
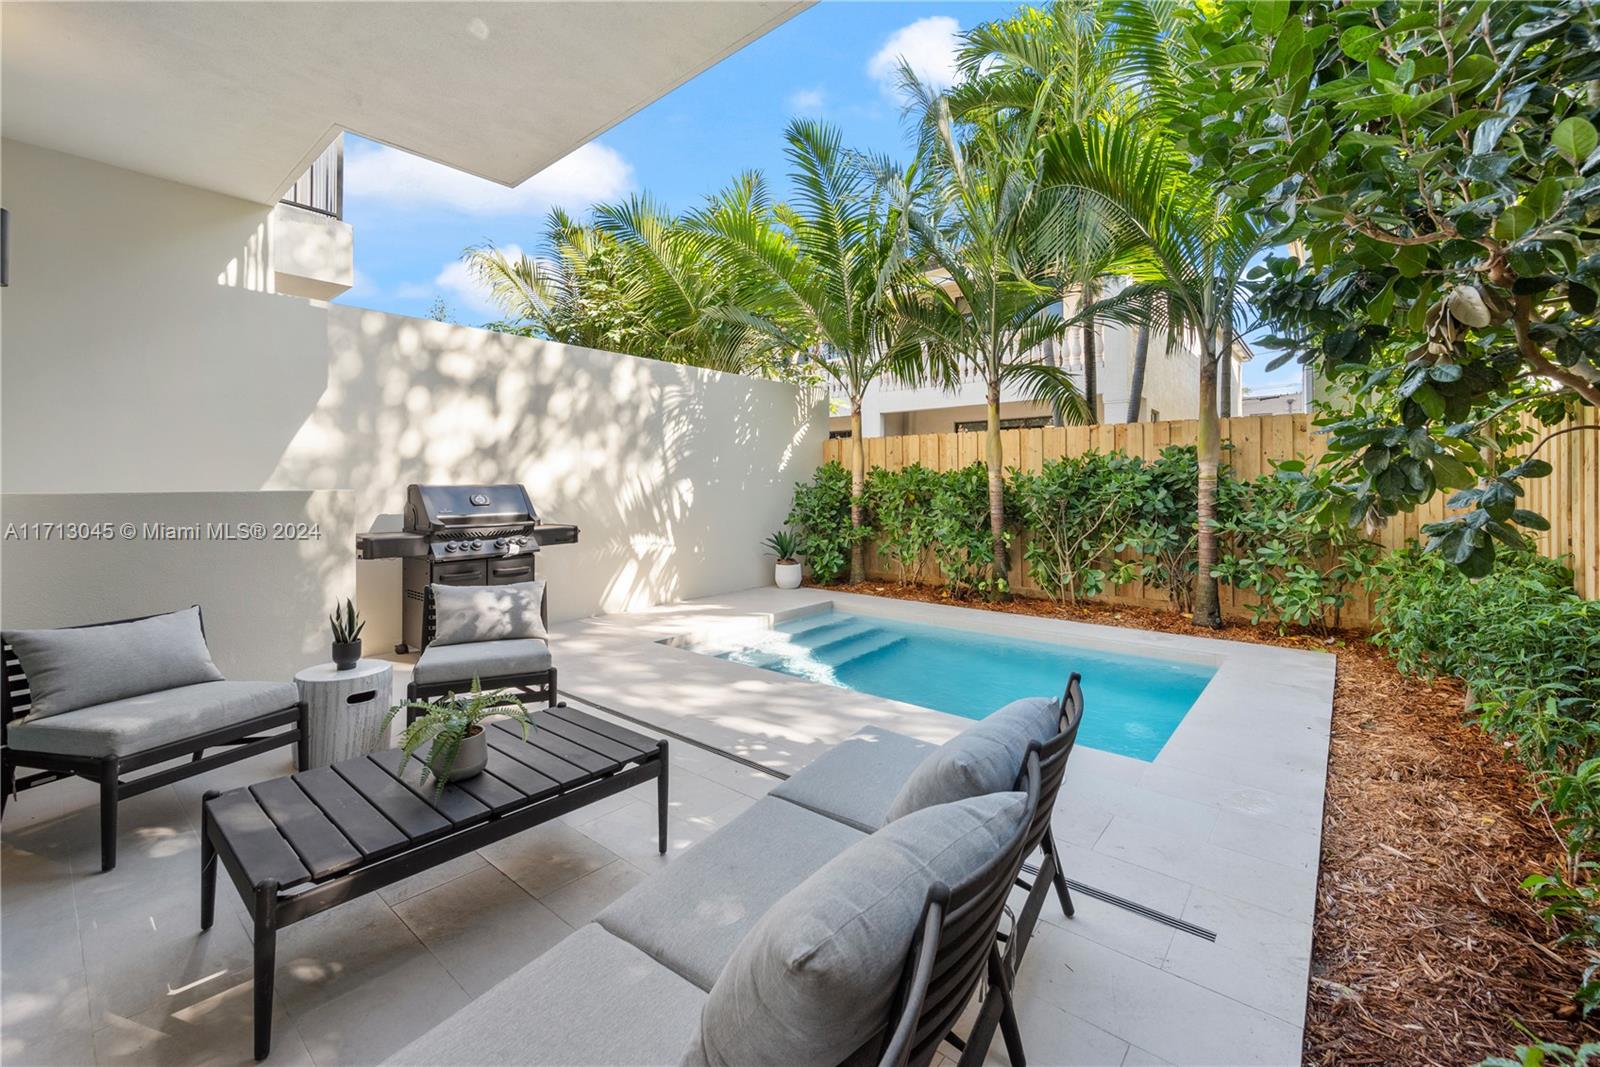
{"x":1273,"y":886}
{"x":579,"y":901}
{"x":378,"y":1017}
{"x":423,"y":881}
{"x":153,"y":952}
{"x":547,"y":857}
{"x":482,"y":927}
{"x":1057,"y":1038}
{"x":1150,"y":1008}
{"x":342,"y":949}
{"x":216,"y":1032}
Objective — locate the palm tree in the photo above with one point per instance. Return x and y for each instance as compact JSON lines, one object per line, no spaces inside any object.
{"x":992,"y":293}
{"x":636,"y":280}
{"x":1187,"y":248}
{"x":825,"y":267}
{"x":1141,"y":356}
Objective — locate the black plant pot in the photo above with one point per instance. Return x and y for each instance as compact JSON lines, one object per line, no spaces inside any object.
{"x":346,"y":654}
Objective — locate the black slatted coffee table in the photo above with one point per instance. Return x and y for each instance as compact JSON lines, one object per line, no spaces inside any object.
{"x":298,"y":845}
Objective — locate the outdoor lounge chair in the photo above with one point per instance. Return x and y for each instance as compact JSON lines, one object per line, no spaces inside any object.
{"x":494,"y":634}
{"x":101,"y":700}
{"x":687,"y":958}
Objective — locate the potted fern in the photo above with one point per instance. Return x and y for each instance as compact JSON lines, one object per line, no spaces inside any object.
{"x":452,"y":728}
{"x":346,"y":635}
{"x":783,"y":544}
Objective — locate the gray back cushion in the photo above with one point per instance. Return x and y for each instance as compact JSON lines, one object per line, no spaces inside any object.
{"x":83,"y":666}
{"x":464,"y":614}
{"x":986,"y":757}
{"x":812,"y":980}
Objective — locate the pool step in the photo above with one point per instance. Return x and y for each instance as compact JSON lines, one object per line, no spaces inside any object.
{"x":856,"y":631}
{"x":815,"y":624}
{"x":879,"y":641}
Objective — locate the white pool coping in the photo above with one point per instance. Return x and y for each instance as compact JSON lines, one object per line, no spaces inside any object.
{"x":1222,"y":829}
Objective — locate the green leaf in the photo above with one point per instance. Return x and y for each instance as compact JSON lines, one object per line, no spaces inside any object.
{"x":1575,"y":138}
{"x":1268,"y":16}
{"x":1451,"y":473}
{"x":1410,"y":260}
{"x":1513,"y":222}
{"x":1360,"y":42}
{"x":1544,"y":198}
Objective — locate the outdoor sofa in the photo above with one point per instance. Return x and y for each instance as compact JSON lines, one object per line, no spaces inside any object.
{"x":847,"y":917}
{"x":497,"y":635}
{"x":103,"y":700}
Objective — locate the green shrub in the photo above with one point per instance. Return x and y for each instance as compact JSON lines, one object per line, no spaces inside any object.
{"x":1528,"y":648}
{"x":1303,"y":571}
{"x":900,"y":504}
{"x":821,"y":519}
{"x":1164,"y":536}
{"x":1078,"y":513}
{"x":961,"y":543}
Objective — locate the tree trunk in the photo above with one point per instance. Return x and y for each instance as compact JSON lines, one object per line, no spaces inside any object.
{"x":1225,"y":371}
{"x":1090,"y":355}
{"x":1057,"y":416}
{"x":858,"y":480}
{"x":997,"y":501}
{"x":1141,"y":353}
{"x":1207,"y":605}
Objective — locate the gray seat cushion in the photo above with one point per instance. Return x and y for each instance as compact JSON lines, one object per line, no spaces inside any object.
{"x":82,"y":666}
{"x":693,"y":914}
{"x":593,"y":999}
{"x":986,"y":757}
{"x":856,"y":780}
{"x":440,"y":664}
{"x":464,"y":614}
{"x":137,"y":724}
{"x":813,"y":980}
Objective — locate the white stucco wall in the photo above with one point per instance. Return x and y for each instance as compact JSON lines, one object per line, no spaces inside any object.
{"x":141,"y":352}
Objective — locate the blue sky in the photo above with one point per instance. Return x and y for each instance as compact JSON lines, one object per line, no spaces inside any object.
{"x":412,"y":218}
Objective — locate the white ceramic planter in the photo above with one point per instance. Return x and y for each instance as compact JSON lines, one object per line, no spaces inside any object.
{"x":788,"y":576}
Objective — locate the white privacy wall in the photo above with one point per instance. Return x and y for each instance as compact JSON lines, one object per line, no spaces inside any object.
{"x":142,"y":350}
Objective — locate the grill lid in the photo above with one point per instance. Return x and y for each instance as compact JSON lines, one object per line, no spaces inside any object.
{"x":435,"y":507}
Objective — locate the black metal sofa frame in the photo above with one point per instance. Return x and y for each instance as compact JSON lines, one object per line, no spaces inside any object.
{"x":955,"y":944}
{"x":239,"y":741}
{"x":954,"y":919}
{"x":536,"y":685}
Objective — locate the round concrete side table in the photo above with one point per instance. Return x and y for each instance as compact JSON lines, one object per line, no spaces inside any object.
{"x":345,"y":709}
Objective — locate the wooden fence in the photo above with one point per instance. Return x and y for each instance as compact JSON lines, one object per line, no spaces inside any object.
{"x":1569,"y":497}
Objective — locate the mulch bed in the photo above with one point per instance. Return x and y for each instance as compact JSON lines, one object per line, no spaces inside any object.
{"x":1427,"y":949}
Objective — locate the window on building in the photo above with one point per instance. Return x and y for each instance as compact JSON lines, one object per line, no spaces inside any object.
{"x":980,"y":425}
{"x":1155,"y":416}
{"x":835,"y":435}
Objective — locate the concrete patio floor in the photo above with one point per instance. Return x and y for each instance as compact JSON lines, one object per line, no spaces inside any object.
{"x":1221,"y":830}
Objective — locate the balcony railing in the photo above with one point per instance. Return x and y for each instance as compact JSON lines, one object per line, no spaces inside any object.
{"x":321,"y":189}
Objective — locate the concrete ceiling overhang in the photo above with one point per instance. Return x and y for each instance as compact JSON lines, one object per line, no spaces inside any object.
{"x":239,"y":98}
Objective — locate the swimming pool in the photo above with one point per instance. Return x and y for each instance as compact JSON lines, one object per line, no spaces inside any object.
{"x":1133,"y":702}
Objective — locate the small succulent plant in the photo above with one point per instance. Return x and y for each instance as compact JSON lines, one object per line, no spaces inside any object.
{"x":783,"y":544}
{"x":348,"y":626}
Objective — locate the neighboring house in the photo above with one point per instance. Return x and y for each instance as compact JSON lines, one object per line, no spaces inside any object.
{"x":1274,"y":400}
{"x":1171,"y":384}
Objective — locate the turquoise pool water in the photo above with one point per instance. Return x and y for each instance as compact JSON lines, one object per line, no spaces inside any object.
{"x":1133,"y":703}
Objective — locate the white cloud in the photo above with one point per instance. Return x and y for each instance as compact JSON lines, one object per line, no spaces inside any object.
{"x":469,"y":301}
{"x":593,"y":172}
{"x":806,"y":101}
{"x":928,"y":45}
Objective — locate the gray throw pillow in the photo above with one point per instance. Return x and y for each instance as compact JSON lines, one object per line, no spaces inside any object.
{"x":463,"y":614}
{"x":986,"y":757}
{"x":87,"y":665}
{"x":812,"y":980}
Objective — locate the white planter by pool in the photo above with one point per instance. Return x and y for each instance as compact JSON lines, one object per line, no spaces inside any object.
{"x":788,"y":576}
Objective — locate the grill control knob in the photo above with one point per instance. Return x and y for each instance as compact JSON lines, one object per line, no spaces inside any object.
{"x":450,"y":546}
{"x":477,"y":545}
{"x":499,"y":542}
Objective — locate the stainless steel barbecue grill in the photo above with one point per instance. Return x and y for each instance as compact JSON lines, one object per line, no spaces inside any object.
{"x":462,"y":535}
